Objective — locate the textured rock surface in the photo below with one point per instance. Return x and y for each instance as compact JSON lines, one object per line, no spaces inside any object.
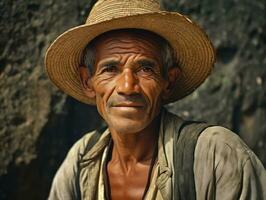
{"x":38,"y":123}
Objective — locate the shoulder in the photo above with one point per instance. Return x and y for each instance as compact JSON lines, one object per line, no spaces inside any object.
{"x":223,"y":144}
{"x":80,"y":146}
{"x":222,"y":138}
{"x":225,"y":165}
{"x":66,"y":181}
{"x":84,"y":144}
{"x":223,"y":152}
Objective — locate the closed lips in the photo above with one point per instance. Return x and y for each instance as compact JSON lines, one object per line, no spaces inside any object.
{"x":128,"y":104}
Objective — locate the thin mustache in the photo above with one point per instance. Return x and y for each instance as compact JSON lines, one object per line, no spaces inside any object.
{"x":136,"y":99}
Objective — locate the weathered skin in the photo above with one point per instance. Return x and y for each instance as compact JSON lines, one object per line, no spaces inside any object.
{"x":129,"y":88}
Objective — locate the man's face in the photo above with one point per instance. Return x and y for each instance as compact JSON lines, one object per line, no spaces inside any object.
{"x":128,"y":81}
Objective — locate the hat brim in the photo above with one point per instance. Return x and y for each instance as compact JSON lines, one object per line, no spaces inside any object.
{"x":195,"y":53}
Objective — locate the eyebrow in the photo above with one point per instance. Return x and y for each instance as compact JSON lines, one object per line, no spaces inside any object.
{"x":146,"y":61}
{"x":108,"y":63}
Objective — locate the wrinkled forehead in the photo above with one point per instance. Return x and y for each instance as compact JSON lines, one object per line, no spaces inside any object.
{"x":129,"y":38}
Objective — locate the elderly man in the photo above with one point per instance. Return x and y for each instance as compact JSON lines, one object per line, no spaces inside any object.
{"x":130,"y":59}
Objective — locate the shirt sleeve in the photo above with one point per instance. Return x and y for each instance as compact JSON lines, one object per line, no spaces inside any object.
{"x":225,"y":168}
{"x":254,"y":179}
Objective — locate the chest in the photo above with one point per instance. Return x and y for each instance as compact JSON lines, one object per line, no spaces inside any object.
{"x":129,"y":186}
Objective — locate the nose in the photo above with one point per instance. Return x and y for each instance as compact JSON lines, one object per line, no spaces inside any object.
{"x":127,"y":83}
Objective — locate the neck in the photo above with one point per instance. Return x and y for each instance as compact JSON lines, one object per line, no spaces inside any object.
{"x":133,"y":148}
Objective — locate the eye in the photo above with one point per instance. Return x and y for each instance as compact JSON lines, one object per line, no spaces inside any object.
{"x":109,"y":69}
{"x":147,"y":68}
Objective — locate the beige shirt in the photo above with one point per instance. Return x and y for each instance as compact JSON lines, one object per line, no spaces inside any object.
{"x":224,"y":167}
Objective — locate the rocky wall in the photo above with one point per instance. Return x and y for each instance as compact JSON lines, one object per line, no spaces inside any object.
{"x":38,"y":123}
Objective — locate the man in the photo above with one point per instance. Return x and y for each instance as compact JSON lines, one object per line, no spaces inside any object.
{"x":130,"y":59}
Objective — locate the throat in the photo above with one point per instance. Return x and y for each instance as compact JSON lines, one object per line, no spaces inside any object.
{"x":130,"y":184}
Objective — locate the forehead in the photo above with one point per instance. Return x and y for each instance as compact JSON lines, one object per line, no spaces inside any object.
{"x":128,"y":41}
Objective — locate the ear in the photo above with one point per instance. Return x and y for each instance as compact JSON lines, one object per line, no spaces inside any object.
{"x":85,"y":77}
{"x":173,"y":74}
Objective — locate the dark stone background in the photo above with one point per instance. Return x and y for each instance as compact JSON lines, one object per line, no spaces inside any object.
{"x":38,"y":124}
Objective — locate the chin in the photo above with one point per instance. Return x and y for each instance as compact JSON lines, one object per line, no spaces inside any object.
{"x":127,"y":126}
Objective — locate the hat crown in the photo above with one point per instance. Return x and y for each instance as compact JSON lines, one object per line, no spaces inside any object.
{"x":104,"y":10}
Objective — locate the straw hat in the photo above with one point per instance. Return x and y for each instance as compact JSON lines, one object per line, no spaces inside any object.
{"x":195,"y":52}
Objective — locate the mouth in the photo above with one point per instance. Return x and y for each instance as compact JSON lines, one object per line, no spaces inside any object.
{"x":128,"y":105}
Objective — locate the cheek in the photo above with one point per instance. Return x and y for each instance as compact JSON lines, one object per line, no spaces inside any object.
{"x":153,"y":91}
{"x":102,"y":88}
{"x":103,"y":91}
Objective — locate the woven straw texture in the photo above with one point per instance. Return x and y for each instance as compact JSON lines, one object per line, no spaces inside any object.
{"x":195,"y":52}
